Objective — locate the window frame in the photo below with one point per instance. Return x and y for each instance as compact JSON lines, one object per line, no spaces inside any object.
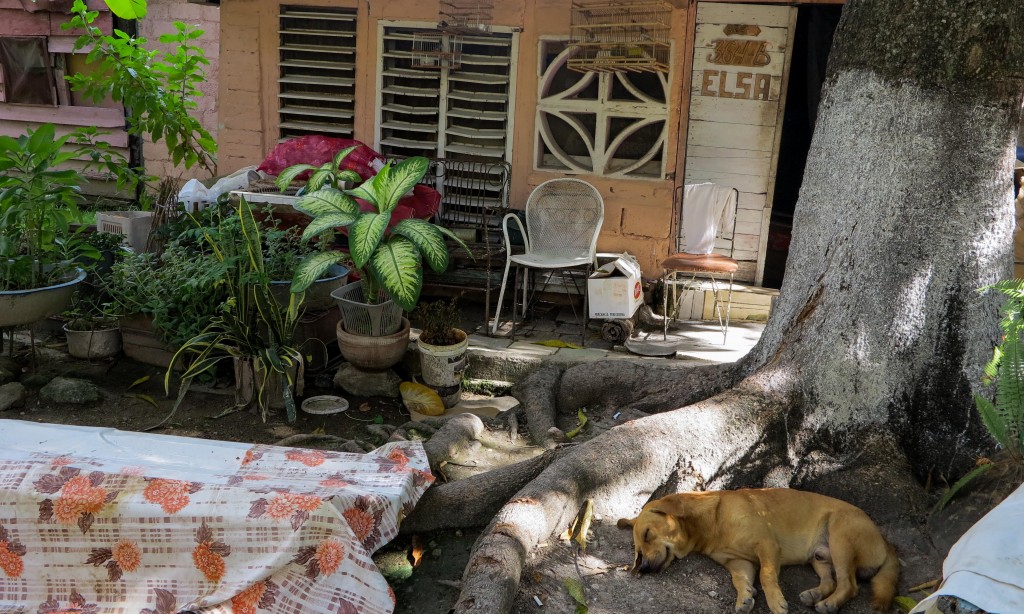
{"x":608,"y":109}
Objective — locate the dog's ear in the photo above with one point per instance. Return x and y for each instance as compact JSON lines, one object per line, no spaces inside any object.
{"x":626,"y":523}
{"x":670,"y":506}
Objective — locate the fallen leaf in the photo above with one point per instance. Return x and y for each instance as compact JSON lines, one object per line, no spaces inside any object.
{"x":417,"y":550}
{"x":558,"y":343}
{"x":364,"y":407}
{"x":581,"y":525}
{"x":581,"y":422}
{"x":146,"y":398}
{"x":141,"y":380}
{"x":905,"y":604}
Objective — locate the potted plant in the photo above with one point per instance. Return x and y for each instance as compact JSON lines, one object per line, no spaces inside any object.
{"x":91,"y":324}
{"x":387,"y":255}
{"x":442,"y":345}
{"x":252,"y":329}
{"x":37,"y":203}
{"x":92,"y":330}
{"x":284,"y":249}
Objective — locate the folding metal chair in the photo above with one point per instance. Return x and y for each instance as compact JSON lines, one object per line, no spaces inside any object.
{"x":563,"y":219}
{"x":712,"y":208}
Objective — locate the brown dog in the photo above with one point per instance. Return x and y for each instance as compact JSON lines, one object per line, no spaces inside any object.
{"x":771,"y":527}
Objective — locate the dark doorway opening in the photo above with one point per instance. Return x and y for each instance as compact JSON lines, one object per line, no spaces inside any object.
{"x":815,"y":27}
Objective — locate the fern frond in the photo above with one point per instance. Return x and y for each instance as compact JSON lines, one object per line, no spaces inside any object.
{"x":961,"y":483}
{"x":992,"y":420}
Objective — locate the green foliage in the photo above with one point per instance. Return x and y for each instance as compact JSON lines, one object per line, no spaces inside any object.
{"x":392,"y":258}
{"x":157,"y":89}
{"x":1004,"y":418}
{"x":327,"y":175}
{"x":127,"y":9}
{"x":251,"y":324}
{"x":181,"y":290}
{"x":38,"y":202}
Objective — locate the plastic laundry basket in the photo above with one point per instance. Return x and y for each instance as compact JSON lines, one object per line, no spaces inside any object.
{"x":361,"y":318}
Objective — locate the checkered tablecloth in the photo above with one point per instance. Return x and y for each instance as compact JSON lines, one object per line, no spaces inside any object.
{"x":104,"y":521}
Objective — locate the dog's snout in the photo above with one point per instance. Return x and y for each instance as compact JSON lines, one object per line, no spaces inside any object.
{"x":645,"y":566}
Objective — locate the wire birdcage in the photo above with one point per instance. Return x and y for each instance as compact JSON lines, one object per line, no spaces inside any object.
{"x":613,"y":36}
{"x":436,"y":49}
{"x":465,"y":16}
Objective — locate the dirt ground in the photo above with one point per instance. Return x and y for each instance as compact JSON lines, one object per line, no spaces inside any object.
{"x":134,"y":400}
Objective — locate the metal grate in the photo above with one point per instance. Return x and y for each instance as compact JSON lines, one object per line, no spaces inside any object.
{"x":436,"y":50}
{"x":318,"y":63}
{"x":614,"y":36}
{"x":465,"y":16}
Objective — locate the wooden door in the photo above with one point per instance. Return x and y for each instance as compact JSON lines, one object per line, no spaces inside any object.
{"x":737,"y":96}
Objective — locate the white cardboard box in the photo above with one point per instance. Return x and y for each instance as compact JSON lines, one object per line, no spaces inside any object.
{"x":614,"y":289}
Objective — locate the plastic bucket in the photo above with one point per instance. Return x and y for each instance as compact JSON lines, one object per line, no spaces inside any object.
{"x":442,"y":368}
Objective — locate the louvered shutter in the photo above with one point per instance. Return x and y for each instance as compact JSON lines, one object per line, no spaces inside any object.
{"x":318,"y":63}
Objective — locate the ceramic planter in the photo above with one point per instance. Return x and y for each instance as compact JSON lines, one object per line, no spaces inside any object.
{"x":21,"y":307}
{"x":442,"y":367}
{"x":94,"y":344}
{"x":374,"y":353}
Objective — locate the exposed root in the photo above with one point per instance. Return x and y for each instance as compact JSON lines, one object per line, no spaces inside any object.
{"x":619,"y":470}
{"x":473,"y":501}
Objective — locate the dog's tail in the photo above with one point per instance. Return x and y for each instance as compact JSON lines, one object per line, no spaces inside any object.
{"x":883,"y":584}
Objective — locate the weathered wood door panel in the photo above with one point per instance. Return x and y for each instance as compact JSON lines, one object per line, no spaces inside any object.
{"x":737,"y":97}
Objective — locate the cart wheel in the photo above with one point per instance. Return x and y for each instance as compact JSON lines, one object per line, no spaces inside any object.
{"x":617,"y":331}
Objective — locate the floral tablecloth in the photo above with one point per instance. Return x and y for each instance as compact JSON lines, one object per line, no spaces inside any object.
{"x":103,"y":521}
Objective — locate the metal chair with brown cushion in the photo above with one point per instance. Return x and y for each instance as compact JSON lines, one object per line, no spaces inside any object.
{"x":711,"y":209}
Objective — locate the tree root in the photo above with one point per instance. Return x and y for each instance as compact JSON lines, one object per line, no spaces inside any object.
{"x":457,"y":435}
{"x":473,"y":501}
{"x":536,"y":395}
{"x":619,"y":470}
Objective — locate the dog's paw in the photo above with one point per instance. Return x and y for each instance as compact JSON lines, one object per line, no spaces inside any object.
{"x":779,"y":608}
{"x":745,"y":606}
{"x":824,"y":608}
{"x":810,"y":597}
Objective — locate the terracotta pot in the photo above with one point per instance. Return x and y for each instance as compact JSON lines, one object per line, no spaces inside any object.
{"x":374,"y":353}
{"x":442,"y":367}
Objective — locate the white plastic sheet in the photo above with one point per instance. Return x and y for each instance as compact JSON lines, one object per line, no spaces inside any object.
{"x":986,"y":565}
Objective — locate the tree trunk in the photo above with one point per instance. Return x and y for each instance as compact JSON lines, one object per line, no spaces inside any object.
{"x":905,"y":212}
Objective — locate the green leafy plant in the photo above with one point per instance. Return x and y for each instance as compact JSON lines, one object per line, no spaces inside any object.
{"x":1003,"y":418}
{"x":439,"y":321}
{"x":389,"y":257}
{"x":157,"y":89}
{"x":38,"y":201}
{"x":181,"y":290}
{"x":251,"y":326}
{"x":328,"y":174}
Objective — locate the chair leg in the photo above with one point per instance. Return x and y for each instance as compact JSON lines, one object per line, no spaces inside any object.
{"x":728,"y":308}
{"x":664,"y":303}
{"x":501,"y":295}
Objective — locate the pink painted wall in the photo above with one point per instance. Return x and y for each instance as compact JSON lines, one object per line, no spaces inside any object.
{"x":638,"y":213}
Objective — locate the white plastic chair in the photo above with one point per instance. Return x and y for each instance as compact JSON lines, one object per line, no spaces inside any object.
{"x":563,"y":219}
{"x":713,"y":209}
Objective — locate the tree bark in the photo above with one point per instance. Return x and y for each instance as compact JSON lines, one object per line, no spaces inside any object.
{"x":904,"y":213}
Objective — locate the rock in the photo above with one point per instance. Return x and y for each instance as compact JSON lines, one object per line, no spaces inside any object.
{"x":70,"y":390}
{"x":36,"y":380}
{"x":6,"y":376}
{"x":367,"y":383}
{"x":9,"y":364}
{"x":12,"y":395}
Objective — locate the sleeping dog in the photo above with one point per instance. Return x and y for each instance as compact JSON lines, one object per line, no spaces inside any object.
{"x":768,"y":528}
